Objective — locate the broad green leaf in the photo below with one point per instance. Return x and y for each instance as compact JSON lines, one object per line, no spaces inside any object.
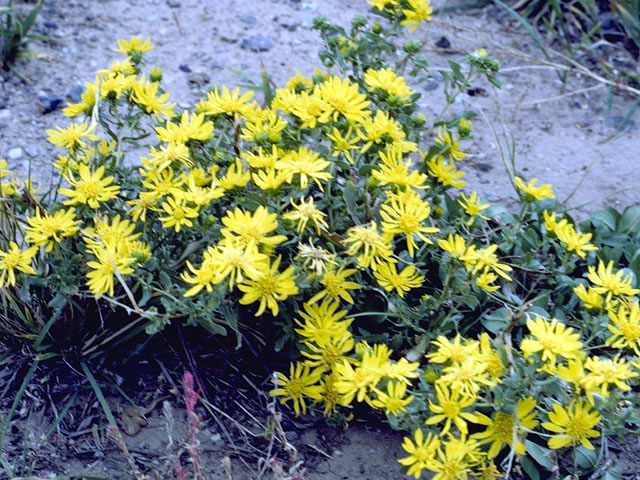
{"x":539,"y":454}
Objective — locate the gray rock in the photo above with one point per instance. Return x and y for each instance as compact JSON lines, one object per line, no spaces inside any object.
{"x":32,"y":151}
{"x":49,"y":102}
{"x":249,"y":19}
{"x":184,"y":68}
{"x":174,"y":3}
{"x":257,"y":43}
{"x":15,"y":153}
{"x":199,"y":79}
{"x":5,"y":114}
{"x":617,"y":122}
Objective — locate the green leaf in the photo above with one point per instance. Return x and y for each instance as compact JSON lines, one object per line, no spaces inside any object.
{"x":350,"y":196}
{"x":630,"y":220}
{"x":496,"y":321}
{"x":539,"y":454}
{"x":612,"y":473}
{"x":530,"y":468}
{"x":587,"y":458}
{"x":605,"y":219}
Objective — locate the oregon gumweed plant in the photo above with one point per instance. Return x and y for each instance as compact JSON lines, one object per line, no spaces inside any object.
{"x":334,"y":218}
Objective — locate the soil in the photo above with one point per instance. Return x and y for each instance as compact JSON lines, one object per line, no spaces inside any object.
{"x":564,"y":133}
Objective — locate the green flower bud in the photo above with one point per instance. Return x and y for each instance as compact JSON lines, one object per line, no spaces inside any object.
{"x":358,"y":21}
{"x":431,"y":376}
{"x":377,"y":28}
{"x":419,"y":120}
{"x":412,"y":46}
{"x":155,"y":74}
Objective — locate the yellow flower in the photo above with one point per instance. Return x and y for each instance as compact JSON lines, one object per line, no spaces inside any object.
{"x":178,"y":214}
{"x":300,"y":383}
{"x":374,"y":248}
{"x":382,"y":129}
{"x":455,"y":460}
{"x":269,"y":179}
{"x":404,"y":213}
{"x":160,"y":184}
{"x":422,"y":452}
{"x":450,"y":409}
{"x":344,"y":143}
{"x":269,"y":288}
{"x":15,"y":259}
{"x":342,"y":99}
{"x":625,"y":327}
{"x":316,"y":258}
{"x":72,"y":137}
{"x":484,"y":260}
{"x":235,"y":177}
{"x":385,"y":79}
{"x":321,"y":323}
{"x":90,"y":188}
{"x":393,"y":170}
{"x":252,"y":228}
{"x":134,"y":45}
{"x":472,"y":206}
{"x":500,"y":429}
{"x":454,"y":244}
{"x":100,"y":279}
{"x":607,"y":283}
{"x":455,"y":351}
{"x":394,"y":400}
{"x":190,"y":128}
{"x":573,"y":240}
{"x":607,"y":371}
{"x":418,"y":13}
{"x":467,"y":377}
{"x":445,"y":173}
{"x":592,"y":300}
{"x":574,"y":425}
{"x":86,"y":104}
{"x":264,"y":126}
{"x":532,"y":192}
{"x":449,"y":145}
{"x":356,"y":383}
{"x":485,"y":281}
{"x":146,"y":94}
{"x":336,"y":285}
{"x":307,"y":164}
{"x":323,"y":357}
{"x":227,"y":103}
{"x":552,"y":339}
{"x":328,"y":395}
{"x":388,"y":278}
{"x":49,"y":230}
{"x":305,"y":212}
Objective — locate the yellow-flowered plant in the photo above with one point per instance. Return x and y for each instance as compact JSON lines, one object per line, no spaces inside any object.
{"x":328,"y":216}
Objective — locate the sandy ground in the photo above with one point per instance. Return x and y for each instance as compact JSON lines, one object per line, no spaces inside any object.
{"x":563,"y":134}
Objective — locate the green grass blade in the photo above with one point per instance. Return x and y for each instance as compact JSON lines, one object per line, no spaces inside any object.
{"x":61,"y":416}
{"x":7,"y":467}
{"x":96,"y":389}
{"x":16,"y":401}
{"x":528,"y":28}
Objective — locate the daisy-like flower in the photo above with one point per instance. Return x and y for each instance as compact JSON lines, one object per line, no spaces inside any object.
{"x":592,"y":300}
{"x":15,"y":260}
{"x":373,"y":248}
{"x":90,"y":188}
{"x":304,"y":212}
{"x":455,"y":351}
{"x":445,"y":173}
{"x":533,"y":192}
{"x":357,"y":383}
{"x":108,"y":261}
{"x":343,"y":144}
{"x":485,"y":260}
{"x":467,"y":377}
{"x":450,"y":409}
{"x":146,"y":94}
{"x":608,"y":283}
{"x":342,"y":99}
{"x":336,"y":286}
{"x":393,"y":170}
{"x":315,"y":258}
{"x":473,"y":207}
{"x":178,"y":214}
{"x":307,"y":164}
{"x":263,"y":126}
{"x":573,"y":426}
{"x":422,"y":452}
{"x":73,"y":136}
{"x":135,"y":45}
{"x":269,"y":287}
{"x":625,"y":327}
{"x":320,"y":323}
{"x":381,"y":130}
{"x":419,"y":11}
{"x":227,"y":103}
{"x":608,"y":371}
{"x":324,"y":356}
{"x":394,"y":400}
{"x":404,"y":213}
{"x":252,"y":227}
{"x":390,"y":279}
{"x":385,"y":79}
{"x":551,"y":339}
{"x":449,"y":145}
{"x":454,"y":244}
{"x":48,"y":230}
{"x":301,"y":383}
{"x":500,"y":428}
{"x":190,"y":128}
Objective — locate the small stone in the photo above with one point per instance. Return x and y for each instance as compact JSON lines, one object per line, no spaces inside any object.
{"x":228,"y":38}
{"x":75,"y":94}
{"x":249,"y":19}
{"x":15,"y":153}
{"x":617,"y":122}
{"x":49,"y":103}
{"x":216,"y":437}
{"x":32,"y":151}
{"x":174,"y":3}
{"x":477,"y":92}
{"x":5,"y":113}
{"x":443,"y":42}
{"x":257,"y":43}
{"x":185,"y":68}
{"x":199,"y":79}
{"x":51,"y":25}
{"x":430,"y":86}
{"x":482,"y":167}
{"x":309,"y":6}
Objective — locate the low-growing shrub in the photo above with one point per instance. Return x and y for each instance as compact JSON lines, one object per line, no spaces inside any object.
{"x":331,"y":221}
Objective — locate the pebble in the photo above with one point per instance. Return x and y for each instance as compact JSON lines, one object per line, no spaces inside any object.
{"x":257,"y":43}
{"x":430,"y":86}
{"x":250,"y":20}
{"x":49,"y":102}
{"x":32,"y":151}
{"x":15,"y":153}
{"x":185,"y":68}
{"x":199,"y":79}
{"x":443,"y":42}
{"x":617,"y":122}
{"x":51,"y":25}
{"x":174,"y":3}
